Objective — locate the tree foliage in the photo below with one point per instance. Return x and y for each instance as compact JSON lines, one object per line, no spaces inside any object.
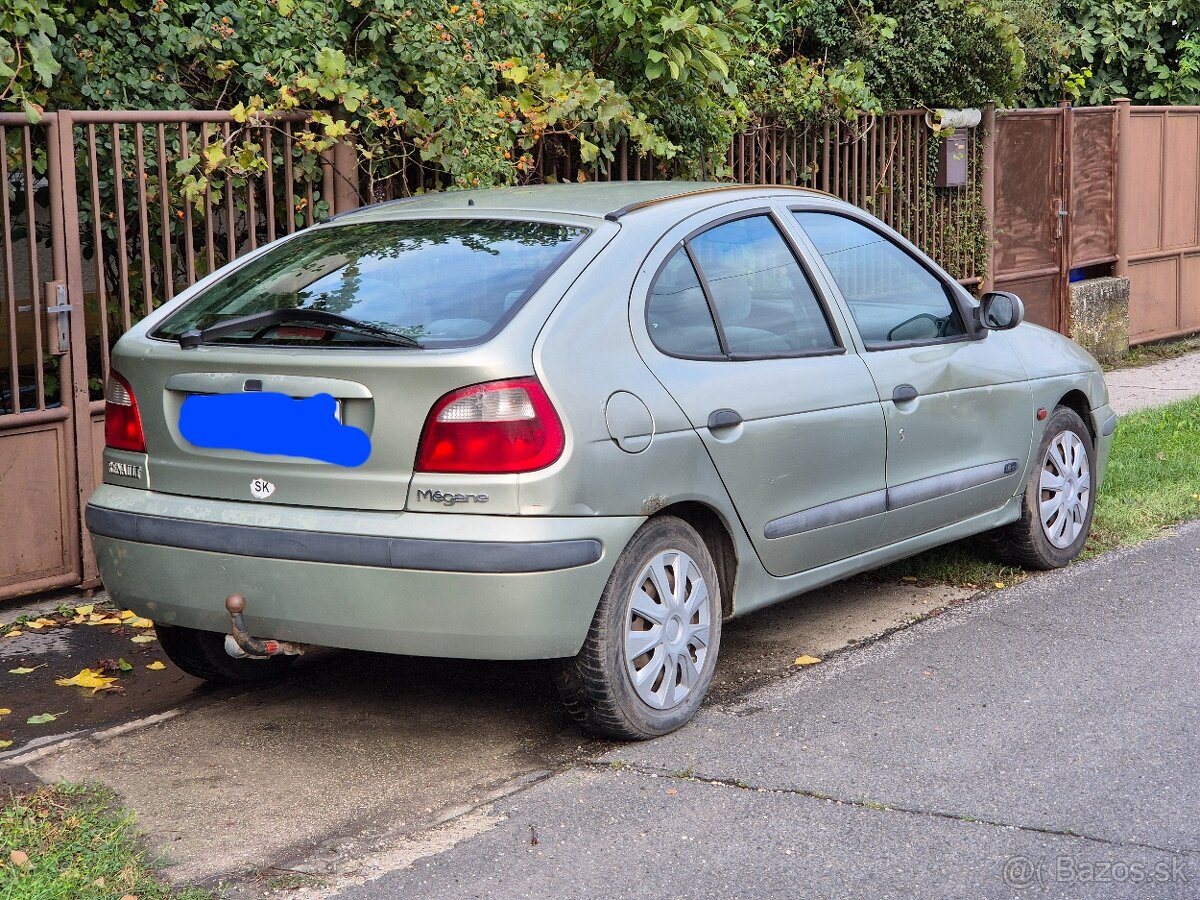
{"x":1146,"y":51}
{"x":473,"y":89}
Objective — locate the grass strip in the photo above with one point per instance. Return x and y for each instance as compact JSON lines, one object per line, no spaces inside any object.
{"x":68,"y":842}
{"x":1152,"y":482}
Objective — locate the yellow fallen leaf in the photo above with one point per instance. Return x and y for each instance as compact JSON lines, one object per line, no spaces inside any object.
{"x":807,"y":660}
{"x":4,"y":744}
{"x":111,"y":620}
{"x":126,"y":614}
{"x":5,"y":711}
{"x":16,"y":632}
{"x":909,"y":578}
{"x":998,"y":584}
{"x":158,"y":665}
{"x":84,"y":610}
{"x":143,"y":639}
{"x":42,"y":622}
{"x":139,"y":622}
{"x":88,"y":678}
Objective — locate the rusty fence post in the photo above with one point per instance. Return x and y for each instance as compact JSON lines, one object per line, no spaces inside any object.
{"x":68,"y":267}
{"x":345,"y":177}
{"x":1123,"y":187}
{"x":988,"y":177}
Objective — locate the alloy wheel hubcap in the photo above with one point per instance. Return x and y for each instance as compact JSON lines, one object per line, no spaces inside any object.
{"x":667,"y":630}
{"x":1066,"y":489}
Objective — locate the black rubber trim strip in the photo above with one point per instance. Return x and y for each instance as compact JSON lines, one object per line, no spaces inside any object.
{"x":486,"y":557}
{"x":835,"y":513}
{"x":863,"y":505}
{"x":949,"y":483}
{"x":1110,"y":425}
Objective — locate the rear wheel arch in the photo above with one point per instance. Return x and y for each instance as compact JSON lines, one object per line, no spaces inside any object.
{"x":717,"y":537}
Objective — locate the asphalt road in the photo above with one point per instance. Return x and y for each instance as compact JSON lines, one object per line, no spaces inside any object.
{"x":1041,"y":742}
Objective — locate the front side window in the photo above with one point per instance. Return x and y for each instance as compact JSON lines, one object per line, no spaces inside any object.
{"x":893,"y":298}
{"x":445,"y":282}
{"x":737,"y":291}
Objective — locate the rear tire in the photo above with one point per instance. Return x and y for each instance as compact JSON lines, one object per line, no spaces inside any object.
{"x":651,"y":651}
{"x":1058,"y":501}
{"x":202,"y":654}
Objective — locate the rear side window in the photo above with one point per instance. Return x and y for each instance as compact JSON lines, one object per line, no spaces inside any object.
{"x":894,"y":299}
{"x":677,"y":313}
{"x":736,"y":291}
{"x":445,"y":282}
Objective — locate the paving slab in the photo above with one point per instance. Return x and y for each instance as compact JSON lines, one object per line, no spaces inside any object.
{"x":359,"y":748}
{"x":1065,"y":703}
{"x":1154,"y":385}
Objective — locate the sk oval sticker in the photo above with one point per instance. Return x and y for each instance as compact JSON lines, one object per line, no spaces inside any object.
{"x":261,"y":489}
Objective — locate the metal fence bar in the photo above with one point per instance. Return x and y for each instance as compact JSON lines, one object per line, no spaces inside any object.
{"x":35,"y":287}
{"x":164,"y":196}
{"x":10,"y":289}
{"x":98,"y":245}
{"x":122,"y":245}
{"x":139,"y":137}
{"x":189,"y":248}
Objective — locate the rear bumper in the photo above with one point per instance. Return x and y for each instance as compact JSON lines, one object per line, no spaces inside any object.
{"x":427,"y":584}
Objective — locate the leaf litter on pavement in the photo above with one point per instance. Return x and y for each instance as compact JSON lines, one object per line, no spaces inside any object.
{"x":103,"y":678}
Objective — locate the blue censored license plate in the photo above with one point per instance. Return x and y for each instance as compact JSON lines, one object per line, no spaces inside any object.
{"x":274,"y":424}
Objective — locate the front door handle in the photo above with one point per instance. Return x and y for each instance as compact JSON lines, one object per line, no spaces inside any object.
{"x":904,"y":393}
{"x":723,"y":418}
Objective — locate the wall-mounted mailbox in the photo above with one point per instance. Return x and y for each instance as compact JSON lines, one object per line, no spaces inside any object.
{"x":952,"y":160}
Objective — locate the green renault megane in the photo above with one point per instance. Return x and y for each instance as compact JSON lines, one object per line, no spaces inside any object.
{"x":578,"y":422}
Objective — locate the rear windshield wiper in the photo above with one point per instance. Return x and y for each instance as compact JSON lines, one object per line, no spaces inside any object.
{"x":262,"y":321}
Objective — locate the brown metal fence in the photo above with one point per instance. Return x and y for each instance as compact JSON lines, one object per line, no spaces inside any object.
{"x":1159,"y":219}
{"x":95,"y":233}
{"x":884,"y":164}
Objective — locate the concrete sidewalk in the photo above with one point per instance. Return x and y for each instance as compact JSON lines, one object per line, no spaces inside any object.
{"x":1155,"y":385}
{"x":1042,"y":738}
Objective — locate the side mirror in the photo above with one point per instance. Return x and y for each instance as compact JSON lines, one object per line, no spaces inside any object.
{"x":1000,"y":311}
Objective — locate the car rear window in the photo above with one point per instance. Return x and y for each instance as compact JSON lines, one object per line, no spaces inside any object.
{"x":445,"y":282}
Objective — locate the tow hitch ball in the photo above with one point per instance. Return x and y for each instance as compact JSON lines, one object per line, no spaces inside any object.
{"x":240,"y":645}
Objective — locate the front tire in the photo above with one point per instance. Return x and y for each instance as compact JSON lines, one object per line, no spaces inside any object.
{"x":651,"y":651}
{"x":1059,"y":498}
{"x":202,"y":654}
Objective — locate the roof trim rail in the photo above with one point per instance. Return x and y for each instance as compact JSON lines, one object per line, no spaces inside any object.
{"x":617,"y":214}
{"x":400,"y":201}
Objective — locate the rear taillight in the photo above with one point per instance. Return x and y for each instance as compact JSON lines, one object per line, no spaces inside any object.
{"x":501,"y":427}
{"x":122,"y":424}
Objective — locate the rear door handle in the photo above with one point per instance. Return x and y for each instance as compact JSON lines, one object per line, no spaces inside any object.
{"x":723,"y":418}
{"x":904,"y":393}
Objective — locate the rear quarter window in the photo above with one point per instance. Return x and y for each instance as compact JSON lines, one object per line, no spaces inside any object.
{"x":445,"y":282}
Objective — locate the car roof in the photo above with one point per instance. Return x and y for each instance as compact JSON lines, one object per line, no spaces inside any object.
{"x":597,"y":199}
